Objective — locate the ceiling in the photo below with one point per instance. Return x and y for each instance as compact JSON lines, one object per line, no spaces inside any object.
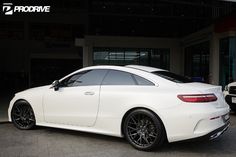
{"x":158,"y":18}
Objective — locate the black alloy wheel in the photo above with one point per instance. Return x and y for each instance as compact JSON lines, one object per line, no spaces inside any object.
{"x":144,"y":130}
{"x":22,"y":115}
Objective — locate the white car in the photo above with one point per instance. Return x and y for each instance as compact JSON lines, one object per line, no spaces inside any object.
{"x":143,"y":104}
{"x":230,"y":95}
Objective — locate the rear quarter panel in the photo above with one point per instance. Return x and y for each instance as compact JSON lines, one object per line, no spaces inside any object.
{"x":115,"y":101}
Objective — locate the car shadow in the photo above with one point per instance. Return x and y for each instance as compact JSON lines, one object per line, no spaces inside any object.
{"x":87,"y":135}
{"x":233,"y":113}
{"x":206,"y":147}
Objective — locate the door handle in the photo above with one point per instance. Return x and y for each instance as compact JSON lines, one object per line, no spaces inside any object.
{"x":89,"y":93}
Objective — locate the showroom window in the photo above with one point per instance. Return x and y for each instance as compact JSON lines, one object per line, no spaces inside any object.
{"x":227,"y":60}
{"x":159,"y":58}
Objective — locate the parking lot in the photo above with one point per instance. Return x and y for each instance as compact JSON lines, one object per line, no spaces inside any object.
{"x":50,"y":142}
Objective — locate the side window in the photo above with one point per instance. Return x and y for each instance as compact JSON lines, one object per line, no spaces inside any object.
{"x":142,"y":81}
{"x":85,"y":78}
{"x":115,"y":77}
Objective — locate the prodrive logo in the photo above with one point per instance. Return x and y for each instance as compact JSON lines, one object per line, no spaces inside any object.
{"x":9,"y":9}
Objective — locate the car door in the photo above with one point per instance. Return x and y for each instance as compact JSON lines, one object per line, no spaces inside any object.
{"x":76,"y":101}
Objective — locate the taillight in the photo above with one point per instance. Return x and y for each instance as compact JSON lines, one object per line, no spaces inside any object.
{"x":197,"y":97}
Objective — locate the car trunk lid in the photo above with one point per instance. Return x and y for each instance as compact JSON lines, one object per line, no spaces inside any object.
{"x":204,"y":88}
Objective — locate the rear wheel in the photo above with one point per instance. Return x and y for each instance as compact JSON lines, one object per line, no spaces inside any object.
{"x":22,"y":115}
{"x":144,"y":130}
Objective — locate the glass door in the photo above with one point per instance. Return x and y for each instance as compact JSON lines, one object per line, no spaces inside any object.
{"x":197,"y":62}
{"x":227,"y":60}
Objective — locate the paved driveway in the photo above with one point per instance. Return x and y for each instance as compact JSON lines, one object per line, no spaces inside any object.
{"x":46,"y":142}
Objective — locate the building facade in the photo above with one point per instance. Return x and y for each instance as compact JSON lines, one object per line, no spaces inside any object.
{"x":196,"y":39}
{"x":208,"y":55}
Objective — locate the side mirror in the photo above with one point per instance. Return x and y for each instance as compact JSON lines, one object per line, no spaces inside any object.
{"x":55,"y":85}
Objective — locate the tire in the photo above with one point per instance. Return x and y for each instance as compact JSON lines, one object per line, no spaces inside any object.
{"x":144,"y":130}
{"x":22,"y":115}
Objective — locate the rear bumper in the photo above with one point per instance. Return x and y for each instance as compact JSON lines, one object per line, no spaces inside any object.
{"x":197,"y":121}
{"x":216,"y":133}
{"x":212,"y":135}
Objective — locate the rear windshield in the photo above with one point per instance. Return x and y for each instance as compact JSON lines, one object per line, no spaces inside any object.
{"x":172,"y":77}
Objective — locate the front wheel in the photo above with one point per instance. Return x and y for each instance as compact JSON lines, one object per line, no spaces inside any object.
{"x":144,"y":130}
{"x":22,"y":115}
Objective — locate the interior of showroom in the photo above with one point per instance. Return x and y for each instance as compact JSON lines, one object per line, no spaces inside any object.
{"x":194,"y":38}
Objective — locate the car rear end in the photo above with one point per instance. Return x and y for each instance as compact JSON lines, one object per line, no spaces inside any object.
{"x":202,"y":112}
{"x":199,"y":109}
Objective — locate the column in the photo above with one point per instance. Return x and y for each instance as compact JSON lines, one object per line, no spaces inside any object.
{"x":214,"y":60}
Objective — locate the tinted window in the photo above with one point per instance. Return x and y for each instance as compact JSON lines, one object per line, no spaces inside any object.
{"x":115,"y":77}
{"x":172,"y":77}
{"x":85,"y":78}
{"x":142,"y":81}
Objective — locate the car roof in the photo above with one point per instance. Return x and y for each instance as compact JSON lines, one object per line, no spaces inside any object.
{"x":135,"y":67}
{"x":144,"y":68}
{"x":143,"y":71}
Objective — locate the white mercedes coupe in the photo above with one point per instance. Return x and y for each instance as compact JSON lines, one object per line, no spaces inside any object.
{"x":143,"y":104}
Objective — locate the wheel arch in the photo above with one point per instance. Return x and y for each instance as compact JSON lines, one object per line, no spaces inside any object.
{"x":135,"y":108}
{"x":20,"y":99}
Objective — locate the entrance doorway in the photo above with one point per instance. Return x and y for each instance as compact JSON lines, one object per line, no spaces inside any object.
{"x":227,"y":60}
{"x":197,"y":62}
